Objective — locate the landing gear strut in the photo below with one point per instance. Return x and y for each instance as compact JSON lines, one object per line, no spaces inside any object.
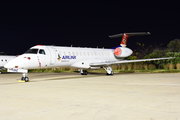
{"x":83,"y":72}
{"x":108,"y":70}
{"x":24,"y":77}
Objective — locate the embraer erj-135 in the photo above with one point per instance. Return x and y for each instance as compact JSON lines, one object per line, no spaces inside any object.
{"x":4,"y":59}
{"x":42,"y":56}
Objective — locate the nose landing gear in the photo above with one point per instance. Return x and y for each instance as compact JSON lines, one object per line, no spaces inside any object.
{"x":24,"y":78}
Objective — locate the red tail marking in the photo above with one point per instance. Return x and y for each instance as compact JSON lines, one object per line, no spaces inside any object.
{"x":124,"y":39}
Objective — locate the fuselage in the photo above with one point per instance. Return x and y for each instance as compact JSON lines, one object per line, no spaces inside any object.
{"x":56,"y":56}
{"x":4,"y":59}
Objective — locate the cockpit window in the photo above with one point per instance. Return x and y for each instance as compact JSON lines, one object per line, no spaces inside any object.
{"x":32,"y":51}
{"x":41,"y":52}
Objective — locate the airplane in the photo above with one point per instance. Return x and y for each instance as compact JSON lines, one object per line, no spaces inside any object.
{"x":47,"y":56}
{"x":4,"y":59}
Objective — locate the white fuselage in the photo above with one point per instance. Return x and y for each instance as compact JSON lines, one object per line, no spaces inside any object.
{"x":4,"y":59}
{"x":54,"y":56}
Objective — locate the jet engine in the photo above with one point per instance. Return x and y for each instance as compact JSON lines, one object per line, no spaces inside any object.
{"x":121,"y":52}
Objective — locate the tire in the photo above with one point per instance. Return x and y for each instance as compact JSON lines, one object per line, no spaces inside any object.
{"x":85,"y":72}
{"x":26,"y":79}
{"x":110,"y":73}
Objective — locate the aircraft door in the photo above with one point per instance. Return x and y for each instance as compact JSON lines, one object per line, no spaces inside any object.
{"x":42,"y":58}
{"x":52,"y":52}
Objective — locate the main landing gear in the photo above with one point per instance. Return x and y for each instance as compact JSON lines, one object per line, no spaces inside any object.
{"x":83,"y":72}
{"x":108,"y":70}
{"x":24,"y":78}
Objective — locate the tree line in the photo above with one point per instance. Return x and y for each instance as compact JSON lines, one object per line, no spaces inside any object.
{"x":158,"y":51}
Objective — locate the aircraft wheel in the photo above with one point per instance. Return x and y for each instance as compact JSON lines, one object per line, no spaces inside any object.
{"x":84,"y":72}
{"x":110,"y":73}
{"x":26,"y":79}
{"x":22,"y":78}
{"x":107,"y":74}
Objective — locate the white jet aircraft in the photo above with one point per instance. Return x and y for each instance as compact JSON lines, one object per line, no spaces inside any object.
{"x":42,"y":56}
{"x":4,"y":59}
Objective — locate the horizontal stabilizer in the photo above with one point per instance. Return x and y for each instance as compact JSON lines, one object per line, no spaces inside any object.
{"x":129,"y":34}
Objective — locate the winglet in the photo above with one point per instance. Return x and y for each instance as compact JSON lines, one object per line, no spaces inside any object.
{"x":126,"y":35}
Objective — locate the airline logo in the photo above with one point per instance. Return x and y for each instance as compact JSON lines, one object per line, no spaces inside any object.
{"x":124,"y":41}
{"x":65,"y":57}
{"x":69,"y":57}
{"x":59,"y":57}
{"x":15,"y":70}
{"x":117,"y":51}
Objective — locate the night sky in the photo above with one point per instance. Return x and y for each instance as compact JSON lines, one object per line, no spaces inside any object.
{"x":86,"y":24}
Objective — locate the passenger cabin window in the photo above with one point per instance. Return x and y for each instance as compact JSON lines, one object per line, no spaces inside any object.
{"x":73,"y":54}
{"x":32,"y":51}
{"x":41,"y":51}
{"x":69,"y":53}
{"x":95,"y":53}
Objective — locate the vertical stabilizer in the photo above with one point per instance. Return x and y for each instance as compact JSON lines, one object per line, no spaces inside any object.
{"x":124,"y":40}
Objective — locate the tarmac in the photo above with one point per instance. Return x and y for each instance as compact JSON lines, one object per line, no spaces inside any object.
{"x":70,"y":96}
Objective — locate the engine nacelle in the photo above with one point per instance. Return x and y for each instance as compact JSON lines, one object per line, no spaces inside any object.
{"x":122,"y":52}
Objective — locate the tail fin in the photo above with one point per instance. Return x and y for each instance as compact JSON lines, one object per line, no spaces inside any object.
{"x":124,"y":40}
{"x":126,"y":35}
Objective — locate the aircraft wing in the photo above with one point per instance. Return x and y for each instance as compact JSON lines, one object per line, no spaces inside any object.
{"x":100,"y":64}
